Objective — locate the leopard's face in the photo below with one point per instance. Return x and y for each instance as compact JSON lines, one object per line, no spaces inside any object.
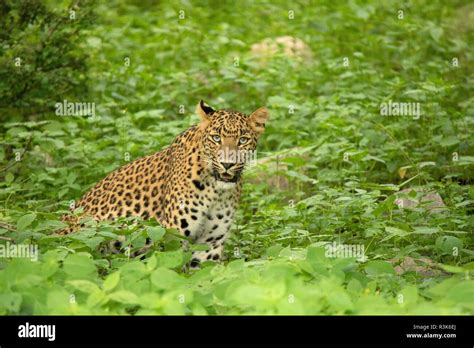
{"x":229,"y":140}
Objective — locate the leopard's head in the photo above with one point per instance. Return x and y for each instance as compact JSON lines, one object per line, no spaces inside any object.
{"x":229,"y":139}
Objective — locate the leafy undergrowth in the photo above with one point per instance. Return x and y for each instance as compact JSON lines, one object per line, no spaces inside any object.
{"x":332,"y":168}
{"x":74,"y":277}
{"x":77,"y":280}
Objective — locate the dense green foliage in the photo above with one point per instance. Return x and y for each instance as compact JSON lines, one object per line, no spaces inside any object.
{"x":333,"y":170}
{"x":41,"y":58}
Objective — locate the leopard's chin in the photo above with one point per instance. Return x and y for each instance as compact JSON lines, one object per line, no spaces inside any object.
{"x":224,"y":185}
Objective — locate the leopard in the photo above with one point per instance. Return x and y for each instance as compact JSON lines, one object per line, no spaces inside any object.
{"x":193,"y":185}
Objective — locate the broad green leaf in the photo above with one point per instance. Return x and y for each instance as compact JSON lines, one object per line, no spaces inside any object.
{"x":163,"y":278}
{"x":452,"y":269}
{"x":152,"y":263}
{"x":170,"y":259}
{"x":449,"y":245}
{"x":84,"y":285}
{"x":79,"y":266}
{"x":25,"y":221}
{"x":409,"y":295}
{"x":426,"y":230}
{"x":111,"y":281}
{"x":124,"y":296}
{"x":462,"y":292}
{"x":10,"y":303}
{"x":156,"y":233}
{"x":377,"y":267}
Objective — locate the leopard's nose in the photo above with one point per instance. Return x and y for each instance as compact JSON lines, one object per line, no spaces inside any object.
{"x":227,"y":165}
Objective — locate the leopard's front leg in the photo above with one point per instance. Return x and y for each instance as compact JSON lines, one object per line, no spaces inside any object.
{"x":214,"y":239}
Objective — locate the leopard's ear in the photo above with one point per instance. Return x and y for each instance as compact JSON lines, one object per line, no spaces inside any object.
{"x":257,"y":120}
{"x":204,"y":110}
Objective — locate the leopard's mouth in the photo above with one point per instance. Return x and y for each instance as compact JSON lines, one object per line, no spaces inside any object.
{"x":226,"y":177}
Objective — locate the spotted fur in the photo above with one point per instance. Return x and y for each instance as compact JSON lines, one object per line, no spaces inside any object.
{"x":189,"y":185}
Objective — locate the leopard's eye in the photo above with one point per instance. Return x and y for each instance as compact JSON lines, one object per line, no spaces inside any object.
{"x":216,"y":138}
{"x":243,"y":140}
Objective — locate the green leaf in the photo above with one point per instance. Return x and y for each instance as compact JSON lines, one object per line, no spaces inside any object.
{"x":316,"y":254}
{"x":373,"y":158}
{"x":111,"y":281}
{"x":354,"y":286}
{"x":152,"y":263}
{"x":469,"y":266}
{"x":449,"y":245}
{"x":79,"y":266}
{"x":444,"y":287}
{"x":9,"y":177}
{"x":340,"y":300}
{"x":462,"y":292}
{"x":163,"y":278}
{"x":246,"y":294}
{"x":170,"y":259}
{"x":124,"y":296}
{"x":449,"y":141}
{"x":452,"y":269}
{"x":274,"y":250}
{"x":25,"y":221}
{"x":198,"y":247}
{"x":10,"y":302}
{"x":84,"y":285}
{"x":93,"y":242}
{"x":96,"y":299}
{"x":394,"y":232}
{"x":59,"y":301}
{"x":377,"y":267}
{"x":156,"y":233}
{"x":409,"y":295}
{"x":426,"y":230}
{"x":50,"y":225}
